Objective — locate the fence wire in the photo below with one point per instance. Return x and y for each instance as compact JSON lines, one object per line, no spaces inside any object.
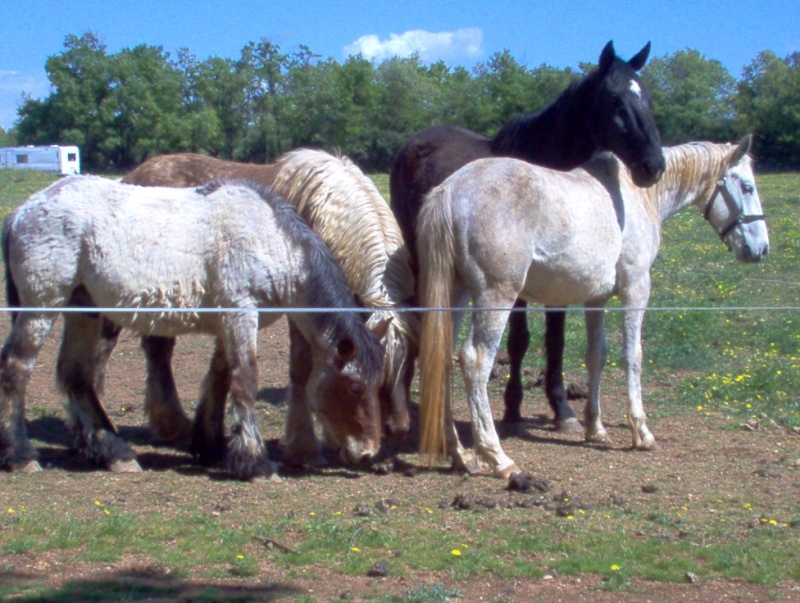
{"x":467,"y":309}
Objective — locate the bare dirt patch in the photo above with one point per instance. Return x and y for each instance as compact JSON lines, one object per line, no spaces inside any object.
{"x":694,"y":452}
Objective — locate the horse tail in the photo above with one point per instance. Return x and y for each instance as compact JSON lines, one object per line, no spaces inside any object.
{"x":436,"y":251}
{"x":12,"y":293}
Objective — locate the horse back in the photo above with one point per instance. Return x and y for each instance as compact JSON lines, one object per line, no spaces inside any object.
{"x":424,"y":162}
{"x":191,"y":169}
{"x":555,"y":237}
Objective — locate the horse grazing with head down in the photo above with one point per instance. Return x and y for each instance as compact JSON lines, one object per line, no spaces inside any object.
{"x":609,"y":109}
{"x":499,"y":229}
{"x":95,"y":244}
{"x":344,"y":207}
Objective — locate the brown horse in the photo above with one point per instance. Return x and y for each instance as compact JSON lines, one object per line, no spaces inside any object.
{"x":348,"y":212}
{"x":609,"y":109}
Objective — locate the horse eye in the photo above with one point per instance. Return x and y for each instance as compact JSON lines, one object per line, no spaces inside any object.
{"x":357,"y":389}
{"x":747,"y":188}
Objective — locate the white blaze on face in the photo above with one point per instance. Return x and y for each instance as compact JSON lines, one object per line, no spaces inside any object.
{"x":636,"y":88}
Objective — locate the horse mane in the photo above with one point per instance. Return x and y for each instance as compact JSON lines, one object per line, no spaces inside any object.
{"x":326,"y":282}
{"x":519,"y":127}
{"x":345,"y":208}
{"x":687,"y":166}
{"x":517,"y":135}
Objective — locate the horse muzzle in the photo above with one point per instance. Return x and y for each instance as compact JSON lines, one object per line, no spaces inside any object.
{"x":648,"y":173}
{"x":356,"y":453}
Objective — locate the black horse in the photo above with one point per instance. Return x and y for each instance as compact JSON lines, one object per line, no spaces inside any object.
{"x":609,"y":109}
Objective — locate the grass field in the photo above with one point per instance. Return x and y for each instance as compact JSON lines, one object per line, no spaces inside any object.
{"x":721,"y":348}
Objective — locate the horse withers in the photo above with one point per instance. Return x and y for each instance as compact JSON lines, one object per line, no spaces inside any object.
{"x":185,"y":260}
{"x":609,"y":109}
{"x":500,"y":229}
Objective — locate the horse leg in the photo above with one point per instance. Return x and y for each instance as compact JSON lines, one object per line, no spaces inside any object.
{"x":302,"y":446}
{"x":95,"y":434}
{"x":632,"y":351}
{"x":208,"y":431}
{"x":596,"y":351}
{"x":162,"y":406}
{"x":17,"y":361}
{"x":247,"y":455}
{"x":108,"y":341}
{"x":476,"y":359}
{"x":564,"y":418}
{"x":519,"y":338}
{"x":463,"y":459}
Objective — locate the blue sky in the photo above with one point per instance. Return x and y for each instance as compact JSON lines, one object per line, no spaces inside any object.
{"x":463,"y":32}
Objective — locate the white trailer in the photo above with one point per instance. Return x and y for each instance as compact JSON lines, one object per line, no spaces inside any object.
{"x":62,"y":160}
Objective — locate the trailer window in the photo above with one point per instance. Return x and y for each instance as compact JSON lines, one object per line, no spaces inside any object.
{"x":72,"y":157}
{"x":22,"y":159}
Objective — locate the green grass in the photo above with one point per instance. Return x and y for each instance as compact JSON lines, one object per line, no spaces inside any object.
{"x":732,"y":360}
{"x":18,"y":185}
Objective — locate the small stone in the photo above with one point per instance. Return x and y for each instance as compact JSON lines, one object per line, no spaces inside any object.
{"x":364,"y":510}
{"x":378,"y":570}
{"x":752,"y":424}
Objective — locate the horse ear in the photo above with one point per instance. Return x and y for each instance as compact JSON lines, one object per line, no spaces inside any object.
{"x":742,"y":150}
{"x":638,"y":61}
{"x":607,"y":56}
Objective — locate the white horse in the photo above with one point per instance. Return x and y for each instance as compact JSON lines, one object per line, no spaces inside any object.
{"x":499,"y":229}
{"x":345,"y":208}
{"x":93,"y":243}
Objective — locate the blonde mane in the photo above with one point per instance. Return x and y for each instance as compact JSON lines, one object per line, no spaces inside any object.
{"x":692,"y":170}
{"x":345,"y":208}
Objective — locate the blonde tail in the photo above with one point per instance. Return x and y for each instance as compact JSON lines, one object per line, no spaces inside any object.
{"x":435,"y":245}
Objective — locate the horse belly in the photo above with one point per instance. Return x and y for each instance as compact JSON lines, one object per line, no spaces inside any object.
{"x":569,"y":283}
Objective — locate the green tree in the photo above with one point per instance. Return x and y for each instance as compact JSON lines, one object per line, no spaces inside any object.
{"x":219,"y":106}
{"x":769,"y":107}
{"x":264,"y":68}
{"x":505,"y":91}
{"x":146,"y":95}
{"x":79,"y":110}
{"x":313,"y":110}
{"x":692,"y":97}
{"x":6,"y":139}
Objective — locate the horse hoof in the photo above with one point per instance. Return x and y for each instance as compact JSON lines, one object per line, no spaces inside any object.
{"x":131,"y":466}
{"x":647,"y":445}
{"x":571,"y":425}
{"x":470,"y":465}
{"x":267,"y":479}
{"x":311,"y":461}
{"x":507,"y":472}
{"x":598,"y":438}
{"x":28,"y":467}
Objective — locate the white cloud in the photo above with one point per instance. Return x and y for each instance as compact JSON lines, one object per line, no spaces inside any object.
{"x":13,"y":85}
{"x":445,"y":45}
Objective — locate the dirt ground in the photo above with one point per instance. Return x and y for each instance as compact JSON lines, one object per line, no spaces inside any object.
{"x":692,"y":452}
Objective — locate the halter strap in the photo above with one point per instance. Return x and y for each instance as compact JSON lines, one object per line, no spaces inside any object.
{"x":740,"y":218}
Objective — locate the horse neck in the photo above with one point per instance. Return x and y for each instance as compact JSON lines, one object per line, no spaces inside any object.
{"x":691,"y":174}
{"x":557,"y":137}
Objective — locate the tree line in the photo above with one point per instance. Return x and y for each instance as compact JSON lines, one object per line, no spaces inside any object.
{"x":126,"y":107}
